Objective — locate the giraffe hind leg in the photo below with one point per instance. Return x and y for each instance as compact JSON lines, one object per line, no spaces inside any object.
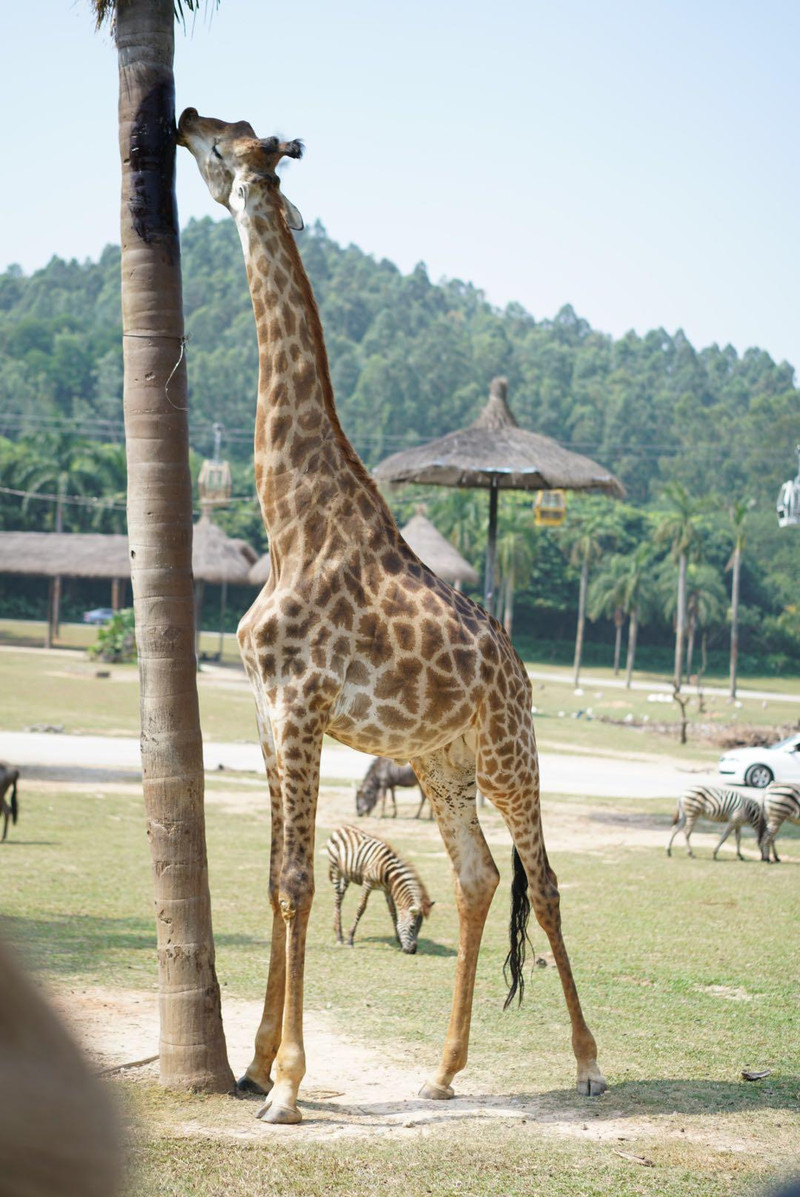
{"x":545,"y":899}
{"x":449,"y":786}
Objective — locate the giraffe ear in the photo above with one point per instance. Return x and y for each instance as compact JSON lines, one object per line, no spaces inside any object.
{"x":293,"y":217}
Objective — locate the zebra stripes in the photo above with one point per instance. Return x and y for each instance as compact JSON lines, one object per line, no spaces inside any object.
{"x":373,"y":864}
{"x":720,"y":806}
{"x":781,"y":803}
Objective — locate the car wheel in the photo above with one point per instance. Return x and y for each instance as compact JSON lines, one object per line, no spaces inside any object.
{"x":758,"y":776}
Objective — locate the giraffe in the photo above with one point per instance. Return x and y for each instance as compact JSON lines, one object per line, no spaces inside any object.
{"x":354,"y":637}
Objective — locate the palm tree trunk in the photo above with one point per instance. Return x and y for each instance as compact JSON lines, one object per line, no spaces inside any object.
{"x":690,"y":634}
{"x":192,"y":1046}
{"x":737,"y":566}
{"x":633,"y":628}
{"x":680,"y":621}
{"x":619,"y":619}
{"x":581,"y":622}
{"x":508,"y":613}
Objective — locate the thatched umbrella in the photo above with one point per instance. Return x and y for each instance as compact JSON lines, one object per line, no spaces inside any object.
{"x":438,"y":554}
{"x":496,"y":454}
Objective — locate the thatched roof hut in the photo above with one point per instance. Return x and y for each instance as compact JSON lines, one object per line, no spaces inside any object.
{"x":260,"y":571}
{"x":438,"y":554}
{"x":426,"y":541}
{"x":217,"y":557}
{"x":65,"y":554}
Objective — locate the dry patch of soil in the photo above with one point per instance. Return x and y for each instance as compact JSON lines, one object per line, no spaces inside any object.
{"x":350,"y":1089}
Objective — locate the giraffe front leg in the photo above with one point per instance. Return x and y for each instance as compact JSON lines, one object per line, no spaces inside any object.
{"x":257,"y":1079}
{"x":299,"y":786}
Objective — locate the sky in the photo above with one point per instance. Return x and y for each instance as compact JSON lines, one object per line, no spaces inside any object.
{"x":634,"y":158}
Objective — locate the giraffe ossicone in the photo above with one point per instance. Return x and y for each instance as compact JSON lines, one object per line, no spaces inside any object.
{"x":354,"y":637}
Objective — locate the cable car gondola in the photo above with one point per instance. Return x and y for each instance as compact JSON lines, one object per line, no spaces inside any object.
{"x":788,"y":505}
{"x":549,"y":508}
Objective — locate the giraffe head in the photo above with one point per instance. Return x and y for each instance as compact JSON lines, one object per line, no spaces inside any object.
{"x":235,"y":163}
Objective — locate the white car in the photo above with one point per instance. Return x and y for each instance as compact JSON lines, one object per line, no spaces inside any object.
{"x":759,"y":766}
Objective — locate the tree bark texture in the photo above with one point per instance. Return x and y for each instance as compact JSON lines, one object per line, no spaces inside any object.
{"x":581,"y":621}
{"x":737,"y":568}
{"x":192,"y":1044}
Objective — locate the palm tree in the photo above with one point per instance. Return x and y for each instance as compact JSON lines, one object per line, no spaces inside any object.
{"x":192,"y":1048}
{"x":705,"y":605}
{"x":514,"y":558}
{"x":678,"y":528}
{"x":606,"y":598}
{"x":738,"y":515}
{"x":589,"y":528}
{"x":638,"y":599}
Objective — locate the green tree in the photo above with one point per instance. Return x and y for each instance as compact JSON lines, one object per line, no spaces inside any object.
{"x":592,"y":525}
{"x":192,"y":1047}
{"x":514,"y":552}
{"x":738,"y":517}
{"x":605,"y":598}
{"x":678,"y":528}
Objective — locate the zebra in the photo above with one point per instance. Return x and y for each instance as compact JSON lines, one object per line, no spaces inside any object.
{"x":781,"y":802}
{"x":372,"y":863}
{"x":381,"y":778}
{"x":720,"y":806}
{"x":9,"y":776}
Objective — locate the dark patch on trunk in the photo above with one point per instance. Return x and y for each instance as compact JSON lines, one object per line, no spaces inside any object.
{"x":152,"y":205}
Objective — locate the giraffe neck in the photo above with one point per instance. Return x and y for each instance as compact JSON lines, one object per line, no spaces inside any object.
{"x":306,"y":471}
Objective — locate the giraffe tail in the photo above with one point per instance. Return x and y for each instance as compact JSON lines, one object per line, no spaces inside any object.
{"x":14,"y":803}
{"x":514,"y":966}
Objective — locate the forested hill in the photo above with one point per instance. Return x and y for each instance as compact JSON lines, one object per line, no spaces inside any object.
{"x":410,"y":359}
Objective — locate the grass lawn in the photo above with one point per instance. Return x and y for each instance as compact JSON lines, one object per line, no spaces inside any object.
{"x":687,"y":970}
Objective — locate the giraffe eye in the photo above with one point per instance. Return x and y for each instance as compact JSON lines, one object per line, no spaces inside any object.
{"x":216,"y":152}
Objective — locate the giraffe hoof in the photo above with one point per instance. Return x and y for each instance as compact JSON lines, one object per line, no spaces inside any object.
{"x":434,"y":1092}
{"x":247,"y":1087}
{"x":593,"y":1084}
{"x":279,"y":1115}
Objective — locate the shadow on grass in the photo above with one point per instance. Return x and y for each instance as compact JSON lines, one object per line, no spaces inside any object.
{"x":644,"y":819}
{"x":425,"y":947}
{"x":82,"y":774}
{"x":631,"y":1099}
{"x":15,"y":843}
{"x":79,"y":943}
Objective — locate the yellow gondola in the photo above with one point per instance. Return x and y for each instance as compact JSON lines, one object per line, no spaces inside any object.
{"x":549,"y":508}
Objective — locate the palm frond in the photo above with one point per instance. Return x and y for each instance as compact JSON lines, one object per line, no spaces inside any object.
{"x":105,"y":10}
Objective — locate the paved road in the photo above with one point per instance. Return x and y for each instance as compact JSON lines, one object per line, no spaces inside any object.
{"x":562,"y":773}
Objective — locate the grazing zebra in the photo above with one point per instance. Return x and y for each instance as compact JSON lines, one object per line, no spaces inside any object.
{"x":379,"y":780}
{"x":374,"y":864}
{"x":720,"y":806}
{"x":9,"y":776}
{"x":781,"y":802}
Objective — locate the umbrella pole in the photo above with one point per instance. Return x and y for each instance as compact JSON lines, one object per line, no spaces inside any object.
{"x":491,"y":546}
